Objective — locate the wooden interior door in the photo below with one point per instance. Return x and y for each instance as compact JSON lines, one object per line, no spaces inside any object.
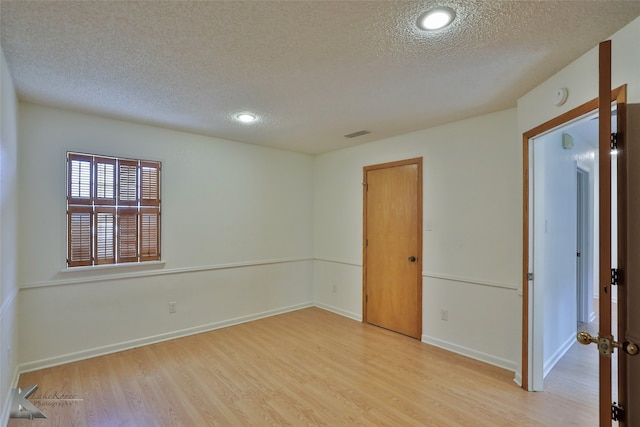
{"x":627,"y":160}
{"x":629,"y":291}
{"x":604,"y":190}
{"x":392,"y":253}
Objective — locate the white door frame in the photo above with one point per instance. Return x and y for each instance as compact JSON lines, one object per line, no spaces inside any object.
{"x":584,"y":243}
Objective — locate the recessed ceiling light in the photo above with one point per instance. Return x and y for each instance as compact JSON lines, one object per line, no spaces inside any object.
{"x":246,"y":117}
{"x":436,"y":18}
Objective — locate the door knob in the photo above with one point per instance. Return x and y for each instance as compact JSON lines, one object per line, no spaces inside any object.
{"x":606,"y":345}
{"x":630,"y":348}
{"x":412,"y":259}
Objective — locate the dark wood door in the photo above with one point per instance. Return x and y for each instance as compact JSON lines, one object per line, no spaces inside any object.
{"x":604,"y":209}
{"x":629,"y":289}
{"x":626,"y":158}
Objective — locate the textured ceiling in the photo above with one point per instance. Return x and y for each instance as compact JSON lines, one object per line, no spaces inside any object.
{"x":312,"y":70}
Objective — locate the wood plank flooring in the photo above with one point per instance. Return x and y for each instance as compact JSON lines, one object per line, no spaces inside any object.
{"x":305,"y":368}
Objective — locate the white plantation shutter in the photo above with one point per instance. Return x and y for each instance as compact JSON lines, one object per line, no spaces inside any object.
{"x":113,"y":210}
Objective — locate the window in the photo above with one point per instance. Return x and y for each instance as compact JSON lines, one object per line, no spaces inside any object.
{"x":113,"y":210}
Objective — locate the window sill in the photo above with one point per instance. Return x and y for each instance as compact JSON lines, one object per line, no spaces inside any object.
{"x":108,"y":268}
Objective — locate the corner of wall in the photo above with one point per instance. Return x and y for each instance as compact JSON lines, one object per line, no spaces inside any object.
{"x":8,"y":242}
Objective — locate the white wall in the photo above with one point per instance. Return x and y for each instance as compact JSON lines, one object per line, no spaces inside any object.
{"x":581,"y":79}
{"x":236,"y":238}
{"x":559,"y":254}
{"x":472,"y":258}
{"x":8,"y":238}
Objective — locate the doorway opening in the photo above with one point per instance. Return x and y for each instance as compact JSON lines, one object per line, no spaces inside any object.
{"x":564,"y":223}
{"x":541,"y":266}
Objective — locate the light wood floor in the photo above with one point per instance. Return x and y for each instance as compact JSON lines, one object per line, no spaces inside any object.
{"x":577,"y":372}
{"x":308,"y":367}
{"x":575,"y":378}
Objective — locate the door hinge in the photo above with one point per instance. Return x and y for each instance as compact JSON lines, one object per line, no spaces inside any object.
{"x":365,"y":186}
{"x":614,"y":140}
{"x":616,"y":277}
{"x":366,"y":298}
{"x":617,"y":412}
{"x":529,"y":276}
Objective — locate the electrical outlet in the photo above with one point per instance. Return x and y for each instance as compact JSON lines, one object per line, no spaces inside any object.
{"x":444,"y":315}
{"x":172,"y":307}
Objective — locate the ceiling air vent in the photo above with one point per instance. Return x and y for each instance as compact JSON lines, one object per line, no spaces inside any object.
{"x":356,"y":134}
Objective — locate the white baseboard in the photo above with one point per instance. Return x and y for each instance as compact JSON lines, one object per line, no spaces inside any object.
{"x":518,"y":379}
{"x":339,"y":311}
{"x":555,"y":358}
{"x":473,"y":354}
{"x":126,"y":345}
